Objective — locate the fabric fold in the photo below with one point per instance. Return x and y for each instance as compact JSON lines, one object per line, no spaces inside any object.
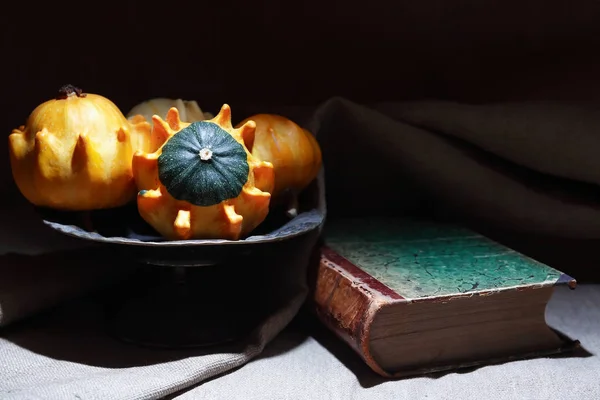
{"x":552,"y":138}
{"x":373,"y":155}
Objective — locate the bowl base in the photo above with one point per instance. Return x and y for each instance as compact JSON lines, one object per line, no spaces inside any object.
{"x":181,"y":311}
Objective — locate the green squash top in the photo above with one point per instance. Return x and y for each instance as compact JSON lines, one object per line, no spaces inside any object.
{"x":203,"y":165}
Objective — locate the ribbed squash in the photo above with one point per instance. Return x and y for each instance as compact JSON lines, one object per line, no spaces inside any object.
{"x":189,"y":111}
{"x":202,"y":182}
{"x":74,"y":153}
{"x":293,"y":151}
{"x":140,"y":116}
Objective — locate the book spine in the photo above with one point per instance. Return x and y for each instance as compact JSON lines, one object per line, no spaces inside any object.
{"x":345,"y":307}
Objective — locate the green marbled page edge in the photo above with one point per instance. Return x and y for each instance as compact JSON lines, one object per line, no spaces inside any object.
{"x":418,"y":258}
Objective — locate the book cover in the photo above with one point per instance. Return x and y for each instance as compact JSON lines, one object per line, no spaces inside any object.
{"x":368,"y":264}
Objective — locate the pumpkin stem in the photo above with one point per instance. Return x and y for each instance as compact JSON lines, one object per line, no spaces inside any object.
{"x":205,"y":154}
{"x":69,"y":90}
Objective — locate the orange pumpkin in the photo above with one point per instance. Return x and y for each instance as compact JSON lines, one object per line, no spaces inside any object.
{"x":293,"y":151}
{"x":74,"y":153}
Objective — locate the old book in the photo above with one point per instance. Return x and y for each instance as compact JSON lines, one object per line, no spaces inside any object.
{"x":415,"y":296}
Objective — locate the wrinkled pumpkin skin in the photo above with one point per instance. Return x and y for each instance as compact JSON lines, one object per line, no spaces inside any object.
{"x":189,"y":111}
{"x":74,"y":153}
{"x":174,"y":219}
{"x":293,"y":151}
{"x":140,"y":116}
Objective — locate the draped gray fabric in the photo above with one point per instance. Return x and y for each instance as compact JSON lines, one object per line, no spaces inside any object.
{"x":527,"y":167}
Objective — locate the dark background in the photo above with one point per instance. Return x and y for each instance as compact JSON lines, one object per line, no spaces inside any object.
{"x":259,"y":55}
{"x":244,"y":52}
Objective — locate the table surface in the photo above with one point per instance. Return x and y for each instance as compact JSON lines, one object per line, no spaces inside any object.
{"x":307,"y":362}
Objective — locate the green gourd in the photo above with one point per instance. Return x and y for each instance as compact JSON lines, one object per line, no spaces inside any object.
{"x":202,"y":182}
{"x":203,"y":165}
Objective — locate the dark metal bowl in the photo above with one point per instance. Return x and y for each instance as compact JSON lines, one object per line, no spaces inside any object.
{"x":183,"y":300}
{"x":127,"y":233}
